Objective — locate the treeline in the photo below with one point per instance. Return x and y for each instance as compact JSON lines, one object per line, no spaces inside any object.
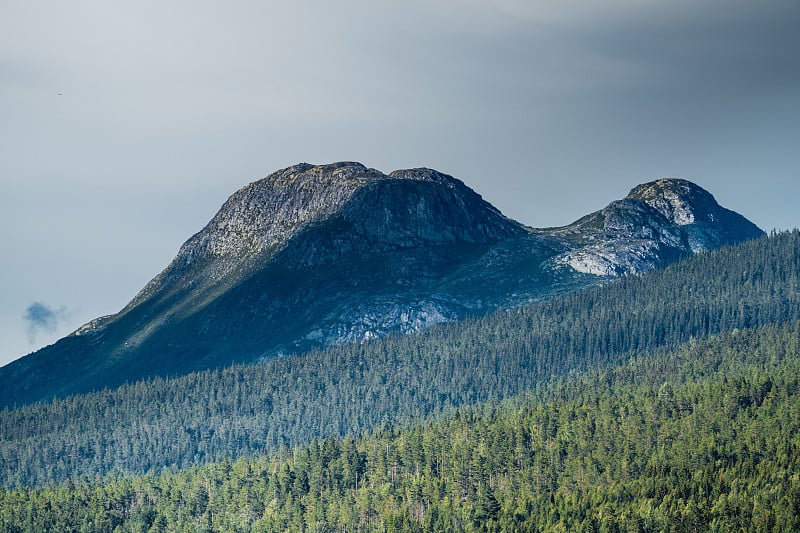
{"x":706,"y":437}
{"x":238,"y":411}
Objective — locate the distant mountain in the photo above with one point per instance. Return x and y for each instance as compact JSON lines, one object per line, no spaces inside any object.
{"x":317,"y":255}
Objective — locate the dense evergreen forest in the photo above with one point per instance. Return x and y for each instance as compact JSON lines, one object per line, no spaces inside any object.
{"x":703,"y":437}
{"x":241,"y":411}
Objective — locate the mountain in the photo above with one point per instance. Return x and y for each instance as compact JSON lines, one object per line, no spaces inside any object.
{"x":655,"y":223}
{"x":317,"y":255}
{"x":247,"y":410}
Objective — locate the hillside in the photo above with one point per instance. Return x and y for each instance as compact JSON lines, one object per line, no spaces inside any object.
{"x":705,"y":437}
{"x":315,"y":256}
{"x":207,"y":416}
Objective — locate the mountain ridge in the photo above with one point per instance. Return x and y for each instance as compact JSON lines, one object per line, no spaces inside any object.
{"x":317,"y":255}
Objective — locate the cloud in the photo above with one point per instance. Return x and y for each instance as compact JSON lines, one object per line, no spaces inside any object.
{"x":40,"y":317}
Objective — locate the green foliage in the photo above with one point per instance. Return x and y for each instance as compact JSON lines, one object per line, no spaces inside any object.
{"x":706,"y":437}
{"x":240,"y":411}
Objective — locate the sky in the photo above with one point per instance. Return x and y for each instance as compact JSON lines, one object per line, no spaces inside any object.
{"x":124,"y":125}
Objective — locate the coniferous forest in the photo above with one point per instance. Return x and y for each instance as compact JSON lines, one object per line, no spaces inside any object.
{"x":703,"y":437}
{"x":666,"y":401}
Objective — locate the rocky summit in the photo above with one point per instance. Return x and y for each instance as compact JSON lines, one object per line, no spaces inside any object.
{"x":656,"y":222}
{"x":315,"y":255}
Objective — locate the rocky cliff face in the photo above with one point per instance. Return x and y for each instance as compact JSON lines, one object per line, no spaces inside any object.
{"x":315,"y":255}
{"x":658,"y":221}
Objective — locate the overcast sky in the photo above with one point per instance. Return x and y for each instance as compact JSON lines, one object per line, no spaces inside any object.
{"x":124,"y":125}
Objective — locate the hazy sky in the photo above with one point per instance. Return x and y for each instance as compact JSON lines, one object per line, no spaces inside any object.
{"x":124,"y":125}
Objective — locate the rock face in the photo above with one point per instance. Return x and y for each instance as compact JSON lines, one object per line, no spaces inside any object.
{"x":656,"y":222}
{"x":315,"y":255}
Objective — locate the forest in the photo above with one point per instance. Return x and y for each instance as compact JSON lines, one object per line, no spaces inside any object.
{"x":244,"y":411}
{"x":704,"y":437}
{"x":661,"y":402}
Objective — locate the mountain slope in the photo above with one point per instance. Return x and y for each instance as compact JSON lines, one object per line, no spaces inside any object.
{"x":316,"y":255}
{"x":245,"y":410}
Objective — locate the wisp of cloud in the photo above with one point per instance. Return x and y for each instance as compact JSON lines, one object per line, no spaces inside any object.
{"x":41,"y":317}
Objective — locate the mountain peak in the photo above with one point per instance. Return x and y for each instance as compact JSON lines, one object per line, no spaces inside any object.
{"x":369,"y":209}
{"x":666,"y":218}
{"x":267,"y":213}
{"x":427,"y":174}
{"x":679,"y":200}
